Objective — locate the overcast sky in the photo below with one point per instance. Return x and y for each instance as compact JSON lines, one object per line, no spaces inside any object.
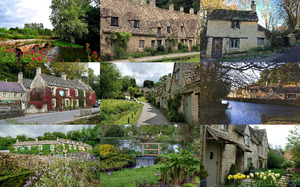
{"x":36,"y":130}
{"x":145,"y":71}
{"x":15,"y":13}
{"x":277,"y":134}
{"x":96,"y":67}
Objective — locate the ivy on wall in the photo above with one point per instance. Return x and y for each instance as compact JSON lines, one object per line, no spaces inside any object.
{"x":81,"y":98}
{"x":122,"y":39}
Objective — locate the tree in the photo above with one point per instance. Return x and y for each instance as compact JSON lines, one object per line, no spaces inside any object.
{"x":264,"y":7}
{"x":110,"y":81}
{"x":68,"y":19}
{"x":21,"y":138}
{"x":291,"y":9}
{"x":293,"y":144}
{"x":275,"y":161}
{"x":161,"y":80}
{"x":127,"y":82}
{"x":148,"y":84}
{"x":131,"y":91}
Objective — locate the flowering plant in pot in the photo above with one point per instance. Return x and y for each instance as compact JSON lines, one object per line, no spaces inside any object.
{"x":203,"y":175}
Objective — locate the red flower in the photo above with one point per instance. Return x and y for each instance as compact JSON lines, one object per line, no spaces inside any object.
{"x":5,"y":51}
{"x":40,"y":58}
{"x":25,"y":53}
{"x":33,"y":58}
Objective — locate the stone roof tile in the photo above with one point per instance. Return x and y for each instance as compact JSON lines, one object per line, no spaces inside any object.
{"x":233,"y":15}
{"x":26,"y":83}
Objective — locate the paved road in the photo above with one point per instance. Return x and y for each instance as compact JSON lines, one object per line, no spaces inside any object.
{"x":47,"y":118}
{"x":152,"y":116}
{"x":144,"y":59}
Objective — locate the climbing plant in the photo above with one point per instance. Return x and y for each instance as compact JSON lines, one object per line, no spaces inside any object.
{"x":122,"y":38}
{"x":173,"y":105}
{"x":81,"y":98}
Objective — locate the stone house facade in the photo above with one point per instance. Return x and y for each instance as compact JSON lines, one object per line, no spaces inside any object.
{"x":12,"y":92}
{"x":48,"y":93}
{"x":80,"y":146}
{"x":224,"y":145}
{"x":185,"y":80}
{"x":149,"y":25}
{"x":234,"y":30}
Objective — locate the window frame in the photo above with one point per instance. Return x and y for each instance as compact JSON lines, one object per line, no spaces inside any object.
{"x":177,"y":77}
{"x":168,"y":29}
{"x":181,"y":29}
{"x":259,"y":41}
{"x":142,"y":44}
{"x":114,"y":21}
{"x":15,"y":94}
{"x":40,"y":147}
{"x":246,"y":137}
{"x":136,"y":24}
{"x":236,"y":43}
{"x":235,"y":25}
{"x":158,"y":31}
{"x":3,"y":94}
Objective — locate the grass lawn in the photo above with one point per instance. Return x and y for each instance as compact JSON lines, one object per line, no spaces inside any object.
{"x":113,"y":111}
{"x":142,"y":99}
{"x":194,"y":58}
{"x":126,"y":176}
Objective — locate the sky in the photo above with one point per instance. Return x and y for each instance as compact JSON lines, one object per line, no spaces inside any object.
{"x":36,"y":130}
{"x":145,"y":71}
{"x":95,"y":67}
{"x":277,"y":134}
{"x":15,"y":13}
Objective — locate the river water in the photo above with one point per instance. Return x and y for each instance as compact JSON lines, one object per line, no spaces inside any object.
{"x":68,"y":54}
{"x":243,"y":113}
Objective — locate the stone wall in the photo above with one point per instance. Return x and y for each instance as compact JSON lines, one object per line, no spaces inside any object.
{"x":31,"y":109}
{"x":228,"y":158}
{"x":11,"y":96}
{"x":11,"y":111}
{"x":23,"y":160}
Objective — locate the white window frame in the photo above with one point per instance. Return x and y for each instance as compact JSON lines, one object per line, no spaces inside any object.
{"x":40,"y":147}
{"x":76,"y":93}
{"x":54,"y":103}
{"x":3,"y":94}
{"x":67,"y":101}
{"x":260,"y":41}
{"x":234,"y":43}
{"x":77,"y":102}
{"x":53,"y":90}
{"x":15,"y":94}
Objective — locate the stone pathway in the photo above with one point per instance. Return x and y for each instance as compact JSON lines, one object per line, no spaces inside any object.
{"x":152,"y":116}
{"x":144,"y":59}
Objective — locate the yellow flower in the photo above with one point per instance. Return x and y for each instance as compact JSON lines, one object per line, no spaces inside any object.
{"x":248,"y":177}
{"x":230,"y":177}
{"x":265,"y":177}
{"x":235,"y":177}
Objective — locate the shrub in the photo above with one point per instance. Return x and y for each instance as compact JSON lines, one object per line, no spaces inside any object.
{"x":196,"y":47}
{"x":183,"y":47}
{"x":274,"y":160}
{"x":151,"y":50}
{"x":233,"y":169}
{"x":106,"y":56}
{"x":203,"y":171}
{"x":106,"y":149}
{"x":161,"y":49}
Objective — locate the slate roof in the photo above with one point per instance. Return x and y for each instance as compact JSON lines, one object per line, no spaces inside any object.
{"x":59,"y":82}
{"x":256,"y":135}
{"x":26,"y":83}
{"x":233,"y":15}
{"x":11,"y":87}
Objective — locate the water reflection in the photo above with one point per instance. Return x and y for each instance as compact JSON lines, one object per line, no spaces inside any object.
{"x":68,"y":54}
{"x":136,"y":146}
{"x":242,"y":113}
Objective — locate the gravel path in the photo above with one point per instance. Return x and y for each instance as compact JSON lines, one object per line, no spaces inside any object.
{"x":149,"y":58}
{"x":151,"y":116}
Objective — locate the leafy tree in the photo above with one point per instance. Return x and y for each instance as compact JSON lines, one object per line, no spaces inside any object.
{"x":274,"y":160}
{"x":148,"y":84}
{"x":114,"y":131}
{"x":68,"y":19}
{"x":21,"y":138}
{"x":127,"y":82}
{"x":110,"y":81}
{"x":131,"y":91}
{"x":294,"y":143}
{"x":161,"y":80}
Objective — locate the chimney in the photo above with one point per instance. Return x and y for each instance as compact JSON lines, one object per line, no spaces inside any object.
{"x":36,"y":139}
{"x":38,"y":70}
{"x":171,"y":7}
{"x":181,"y":9}
{"x":152,"y":3}
{"x":20,"y":77}
{"x":192,"y":11}
{"x":64,"y":76}
{"x":253,"y":6}
{"x":17,"y":140}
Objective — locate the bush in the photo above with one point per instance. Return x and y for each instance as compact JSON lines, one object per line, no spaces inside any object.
{"x":150,"y":50}
{"x":233,"y":169}
{"x":196,"y":48}
{"x":170,"y":49}
{"x":274,"y":160}
{"x":106,"y":149}
{"x":183,"y":47}
{"x":203,"y":171}
{"x":175,"y":116}
{"x":106,"y":56}
{"x":161,"y":49}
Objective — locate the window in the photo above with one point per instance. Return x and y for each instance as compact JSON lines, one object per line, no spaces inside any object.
{"x":22,"y":148}
{"x":142,"y":42}
{"x":169,"y":29}
{"x":52,"y":147}
{"x":247,"y":140}
{"x":158,"y":43}
{"x":114,"y":21}
{"x":67,"y":102}
{"x":53,"y":90}
{"x":152,"y":43}
{"x":177,"y":75}
{"x":15,"y":94}
{"x":158,"y":30}
{"x":76,"y":92}
{"x":22,"y":95}
{"x":234,"y":43}
{"x":68,"y":92}
{"x":235,"y":24}
{"x":261,"y":41}
{"x":53,"y":103}
{"x":136,"y":24}
{"x":29,"y":148}
{"x":181,"y":30}
{"x":40,"y":147}
{"x":77,"y":102}
{"x":224,"y":127}
{"x":4,"y":94}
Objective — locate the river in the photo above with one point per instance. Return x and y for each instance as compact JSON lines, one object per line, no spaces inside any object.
{"x":243,"y":113}
{"x":68,"y":54}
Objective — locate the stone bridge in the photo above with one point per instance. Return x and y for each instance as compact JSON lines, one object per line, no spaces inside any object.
{"x":25,"y":45}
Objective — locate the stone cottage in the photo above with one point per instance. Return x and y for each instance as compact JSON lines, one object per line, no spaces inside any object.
{"x":233,"y":30}
{"x":80,"y":146}
{"x":56,"y":93}
{"x":149,"y":25}
{"x":185,"y":80}
{"x":224,"y":145}
{"x":12,"y":92}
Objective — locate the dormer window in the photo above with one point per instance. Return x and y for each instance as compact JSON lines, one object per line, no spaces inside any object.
{"x":168,"y":29}
{"x":114,"y":21}
{"x":136,"y":23}
{"x":158,"y":30}
{"x":235,"y":24}
{"x":177,"y":75}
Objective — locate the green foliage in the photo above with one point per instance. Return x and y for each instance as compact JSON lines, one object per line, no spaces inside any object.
{"x":182,"y":47}
{"x":203,"y":171}
{"x":110,"y":81}
{"x":173,"y":105}
{"x":67,"y":44}
{"x":161,"y":49}
{"x":151,"y":50}
{"x":274,"y":160}
{"x":178,"y":166}
{"x":115,"y":161}
{"x":81,"y":98}
{"x":122,"y":39}
{"x":196,"y":47}
{"x":233,"y":169}
{"x":131,"y":91}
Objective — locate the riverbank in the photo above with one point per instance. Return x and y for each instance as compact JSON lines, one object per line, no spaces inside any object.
{"x":271,"y":120}
{"x":267,"y":101}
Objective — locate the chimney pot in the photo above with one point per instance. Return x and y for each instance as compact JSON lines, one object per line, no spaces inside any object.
{"x":181,"y":9}
{"x":38,"y":70}
{"x":192,"y":11}
{"x":64,"y":76}
{"x":20,"y":77}
{"x":152,"y":3}
{"x":171,"y":7}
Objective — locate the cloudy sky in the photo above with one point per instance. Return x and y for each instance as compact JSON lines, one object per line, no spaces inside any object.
{"x":145,"y":71}
{"x":95,"y":67}
{"x":15,"y":13}
{"x":277,"y":134}
{"x":36,"y":130}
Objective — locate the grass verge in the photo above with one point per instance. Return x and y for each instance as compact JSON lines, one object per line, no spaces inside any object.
{"x":128,"y":177}
{"x":133,"y":117}
{"x":62,"y":43}
{"x":193,"y":58}
{"x":142,"y":99}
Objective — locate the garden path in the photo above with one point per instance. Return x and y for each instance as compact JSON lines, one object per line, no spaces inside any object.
{"x":150,"y":58}
{"x":152,"y":116}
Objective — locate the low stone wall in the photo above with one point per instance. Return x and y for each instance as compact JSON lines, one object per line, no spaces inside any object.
{"x":10,"y":111}
{"x":23,"y":160}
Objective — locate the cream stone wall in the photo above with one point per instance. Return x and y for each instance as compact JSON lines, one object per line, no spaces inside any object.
{"x":11,"y":96}
{"x":248,"y":34}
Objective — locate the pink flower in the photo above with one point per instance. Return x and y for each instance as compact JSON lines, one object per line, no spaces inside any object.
{"x":25,"y":53}
{"x":95,"y":53}
{"x":40,"y":58}
{"x":5,"y":51}
{"x":41,"y":51}
{"x":33,"y":58}
{"x":55,"y":55}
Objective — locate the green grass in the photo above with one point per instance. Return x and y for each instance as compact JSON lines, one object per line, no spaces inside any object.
{"x":193,"y":58}
{"x":62,"y":43}
{"x":116,"y":138}
{"x":142,"y":99}
{"x":114,"y":111}
{"x":125,"y":177}
{"x":15,"y":175}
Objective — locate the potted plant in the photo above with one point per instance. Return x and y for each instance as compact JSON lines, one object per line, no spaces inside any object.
{"x":251,"y":168}
{"x":232,"y":171}
{"x":203,"y":175}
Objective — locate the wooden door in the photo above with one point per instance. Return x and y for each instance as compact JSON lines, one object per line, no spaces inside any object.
{"x":212,"y":165}
{"x":217,"y":47}
{"x":113,"y":47}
